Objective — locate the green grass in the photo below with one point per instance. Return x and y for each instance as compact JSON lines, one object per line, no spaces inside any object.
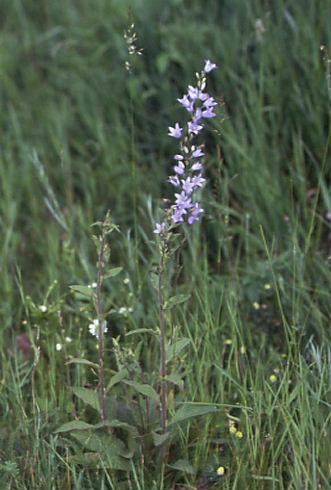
{"x":80,"y":135}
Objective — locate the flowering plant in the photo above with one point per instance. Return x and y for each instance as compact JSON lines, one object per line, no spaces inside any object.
{"x":187,"y":179}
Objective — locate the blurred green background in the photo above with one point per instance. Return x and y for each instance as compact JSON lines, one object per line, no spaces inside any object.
{"x":80,"y":134}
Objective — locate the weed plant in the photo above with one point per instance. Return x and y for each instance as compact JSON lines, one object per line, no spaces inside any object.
{"x":84,"y":129}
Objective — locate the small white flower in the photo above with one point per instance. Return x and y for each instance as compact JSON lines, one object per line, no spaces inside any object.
{"x":43,"y":308}
{"x":58,"y":347}
{"x":123,"y":310}
{"x":93,"y":285}
{"x":68,"y":339}
{"x":94,"y":327}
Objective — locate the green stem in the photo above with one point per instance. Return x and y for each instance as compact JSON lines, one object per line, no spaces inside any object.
{"x":99,"y":311}
{"x":163,"y":354}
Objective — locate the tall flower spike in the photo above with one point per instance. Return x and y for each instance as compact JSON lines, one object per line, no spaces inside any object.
{"x":200,"y":106}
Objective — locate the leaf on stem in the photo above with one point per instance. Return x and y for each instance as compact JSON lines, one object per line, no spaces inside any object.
{"x":117,"y":378}
{"x":159,"y":439}
{"x":84,"y":290}
{"x":176,"y":300}
{"x":90,"y":397}
{"x":176,"y":348}
{"x":144,"y":389}
{"x":113,"y":272}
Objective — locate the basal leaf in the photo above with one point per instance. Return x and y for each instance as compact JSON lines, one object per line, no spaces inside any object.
{"x":182,"y":465}
{"x":74,"y":425}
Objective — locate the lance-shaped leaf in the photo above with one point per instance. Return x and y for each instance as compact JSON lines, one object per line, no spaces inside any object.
{"x":90,"y":397}
{"x":84,"y":290}
{"x":113,"y":272}
{"x":78,"y":360}
{"x":176,"y":300}
{"x":144,"y":389}
{"x":174,"y":349}
{"x":191,"y":410}
{"x":74,"y":425}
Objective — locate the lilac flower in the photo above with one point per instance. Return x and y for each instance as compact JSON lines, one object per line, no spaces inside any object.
{"x":208,"y":113}
{"x":210,"y":102}
{"x":160,"y":228}
{"x":180,"y":168}
{"x":174,"y":180}
{"x":193,"y":92}
{"x":183,"y":201}
{"x":197,"y":166}
{"x":194,"y":216}
{"x":187,"y":103}
{"x":198,"y":181}
{"x":197,"y":153}
{"x":187,"y":185}
{"x":178,"y":157}
{"x":209,"y":66}
{"x":193,"y":127}
{"x":175,"y":132}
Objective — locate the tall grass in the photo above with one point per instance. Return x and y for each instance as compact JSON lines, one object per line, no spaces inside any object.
{"x":79,"y":136}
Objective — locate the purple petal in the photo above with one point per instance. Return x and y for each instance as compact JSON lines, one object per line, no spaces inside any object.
{"x":209,"y":66}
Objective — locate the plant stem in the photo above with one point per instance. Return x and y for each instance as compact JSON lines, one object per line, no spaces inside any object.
{"x":99,"y":312}
{"x":163,"y":367}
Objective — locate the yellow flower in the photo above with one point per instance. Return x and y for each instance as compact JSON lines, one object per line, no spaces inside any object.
{"x":126,"y":281}
{"x":273,"y":378}
{"x":242,"y":349}
{"x":228,"y":342}
{"x":256,"y":305}
{"x":267,"y":286}
{"x":232,"y":429}
{"x":239,"y":434}
{"x":220,"y":470}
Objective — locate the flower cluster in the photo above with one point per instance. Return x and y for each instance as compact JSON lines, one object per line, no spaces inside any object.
{"x":188,"y":166}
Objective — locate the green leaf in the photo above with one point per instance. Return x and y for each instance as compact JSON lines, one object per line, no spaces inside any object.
{"x":174,"y":349}
{"x":84,"y":290}
{"x":111,"y":451}
{"x":117,"y":378}
{"x":77,"y":360}
{"x":144,"y":389}
{"x":90,"y":397}
{"x":159,"y":439}
{"x":117,"y":424}
{"x":74,"y":425}
{"x":191,"y":410}
{"x":176,"y":300}
{"x":113,"y":272}
{"x":182,"y":465}
{"x":176,"y":379}
{"x":142,"y":330}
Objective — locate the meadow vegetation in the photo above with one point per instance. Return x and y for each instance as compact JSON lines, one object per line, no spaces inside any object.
{"x":84,"y":127}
